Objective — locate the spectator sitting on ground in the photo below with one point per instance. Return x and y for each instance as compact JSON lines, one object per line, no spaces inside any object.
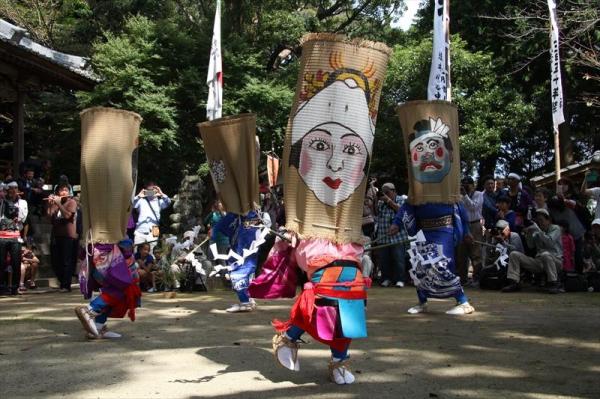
{"x":149,"y":202}
{"x":29,"y":268}
{"x":591,"y":252}
{"x":146,"y":267}
{"x":504,"y":236}
{"x":504,"y":211}
{"x":594,"y":192}
{"x":545,"y":237}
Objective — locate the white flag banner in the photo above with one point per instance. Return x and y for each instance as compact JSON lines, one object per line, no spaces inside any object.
{"x":439,"y":75}
{"x":214,"y":79}
{"x":556,"y":82}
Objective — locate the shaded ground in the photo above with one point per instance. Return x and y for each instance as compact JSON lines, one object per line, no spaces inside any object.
{"x":524,"y":345}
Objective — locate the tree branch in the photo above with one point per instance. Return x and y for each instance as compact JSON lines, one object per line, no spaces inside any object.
{"x":354,"y":16}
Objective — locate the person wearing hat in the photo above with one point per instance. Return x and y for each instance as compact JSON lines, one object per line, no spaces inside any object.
{"x":469,"y":249}
{"x":503,"y":242}
{"x":504,"y":236}
{"x":13,"y":212}
{"x":545,"y":237}
{"x":391,"y":259}
{"x":520,"y":200}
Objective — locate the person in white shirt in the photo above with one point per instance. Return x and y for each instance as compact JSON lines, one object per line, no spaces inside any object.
{"x":149,"y":203}
{"x":469,"y":249}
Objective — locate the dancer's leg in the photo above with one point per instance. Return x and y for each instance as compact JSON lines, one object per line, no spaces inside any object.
{"x":338,"y":367}
{"x":422,"y":306}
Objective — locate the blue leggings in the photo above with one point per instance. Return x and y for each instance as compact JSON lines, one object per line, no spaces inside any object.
{"x":295,"y":333}
{"x":459,"y":296}
{"x":243,"y":295}
{"x":99,"y":306}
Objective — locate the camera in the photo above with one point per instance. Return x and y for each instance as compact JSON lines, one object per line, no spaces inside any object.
{"x":150,"y":192}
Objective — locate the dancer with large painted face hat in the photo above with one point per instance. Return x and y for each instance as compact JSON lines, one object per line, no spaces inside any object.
{"x":109,"y":147}
{"x":232,"y":153}
{"x":430,"y":130}
{"x":327,"y":152}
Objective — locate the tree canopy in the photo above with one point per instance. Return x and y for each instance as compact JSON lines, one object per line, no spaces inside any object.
{"x":153,"y":57}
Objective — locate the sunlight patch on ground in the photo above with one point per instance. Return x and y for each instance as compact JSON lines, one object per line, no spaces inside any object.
{"x":477,"y":371}
{"x":423,"y":355}
{"x":501,"y":393}
{"x":538,"y":339}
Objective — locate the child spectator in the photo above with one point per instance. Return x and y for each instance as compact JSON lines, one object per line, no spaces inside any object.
{"x":29,"y":268}
{"x":568,"y":243}
{"x":504,"y":211}
{"x":147,"y":268}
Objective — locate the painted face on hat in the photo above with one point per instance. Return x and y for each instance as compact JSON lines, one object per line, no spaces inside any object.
{"x":430,"y":157}
{"x":333,"y":133}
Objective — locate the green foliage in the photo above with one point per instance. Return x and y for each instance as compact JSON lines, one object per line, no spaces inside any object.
{"x":490,"y":110}
{"x":132,"y":70}
{"x":153,"y":59}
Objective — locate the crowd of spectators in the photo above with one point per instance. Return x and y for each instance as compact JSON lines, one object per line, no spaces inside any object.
{"x":541,"y":237}
{"x":23,"y":198}
{"x":544,"y":232}
{"x":547,"y":236}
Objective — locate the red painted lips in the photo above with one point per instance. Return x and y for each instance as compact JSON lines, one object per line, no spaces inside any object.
{"x":334,"y":184}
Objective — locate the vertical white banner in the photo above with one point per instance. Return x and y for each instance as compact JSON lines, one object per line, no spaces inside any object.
{"x":439,"y":74}
{"x":214,"y":79}
{"x":556,"y":81}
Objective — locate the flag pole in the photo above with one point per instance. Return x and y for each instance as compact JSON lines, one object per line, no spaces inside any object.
{"x":447,"y":34}
{"x":557,"y":154}
{"x":438,"y":87}
{"x":556,"y":92}
{"x":214,"y":78}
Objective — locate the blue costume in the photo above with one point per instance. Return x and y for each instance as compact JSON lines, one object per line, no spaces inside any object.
{"x":444,"y":226}
{"x":242,"y":234}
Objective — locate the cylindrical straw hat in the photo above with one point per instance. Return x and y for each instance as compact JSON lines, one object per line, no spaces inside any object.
{"x":109,"y":144}
{"x":231,"y":151}
{"x":330,"y":135}
{"x":430,"y":132}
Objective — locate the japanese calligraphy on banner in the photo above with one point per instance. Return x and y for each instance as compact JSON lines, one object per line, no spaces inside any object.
{"x":556,"y":82}
{"x":439,"y":75}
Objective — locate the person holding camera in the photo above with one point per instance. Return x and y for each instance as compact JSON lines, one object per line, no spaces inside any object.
{"x":62,"y":210}
{"x":545,"y":237}
{"x":13,"y":211}
{"x":149,"y":202}
{"x":391,"y":258}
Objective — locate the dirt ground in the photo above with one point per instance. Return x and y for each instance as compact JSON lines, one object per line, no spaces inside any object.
{"x":523,"y":345}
